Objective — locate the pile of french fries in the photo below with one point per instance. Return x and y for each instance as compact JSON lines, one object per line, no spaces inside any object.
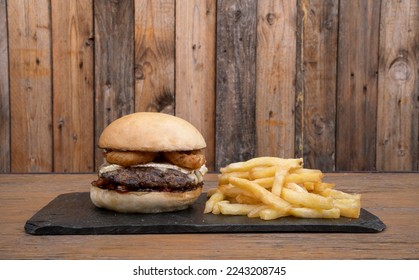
{"x":269,"y":188}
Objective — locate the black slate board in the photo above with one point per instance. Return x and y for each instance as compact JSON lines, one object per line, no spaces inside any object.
{"x":74,"y":213}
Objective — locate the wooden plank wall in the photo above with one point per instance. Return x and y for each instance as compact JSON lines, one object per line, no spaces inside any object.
{"x":335,"y":82}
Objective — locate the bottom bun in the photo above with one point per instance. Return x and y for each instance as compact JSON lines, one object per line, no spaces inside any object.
{"x":143,"y":202}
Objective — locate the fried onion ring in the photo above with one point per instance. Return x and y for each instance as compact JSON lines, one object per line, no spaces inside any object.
{"x":188,"y":159}
{"x":127,"y":158}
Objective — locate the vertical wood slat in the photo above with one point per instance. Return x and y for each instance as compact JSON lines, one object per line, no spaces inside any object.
{"x":114,"y":63}
{"x":235,"y":81}
{"x":30,"y":85}
{"x":4,"y":93}
{"x":357,"y":85}
{"x":398,"y":104}
{"x":72,"y":56}
{"x":275,"y":72}
{"x":318,"y":78}
{"x":155,"y":56}
{"x":195,"y":68}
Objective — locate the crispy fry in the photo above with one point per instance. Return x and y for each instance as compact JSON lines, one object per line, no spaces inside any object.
{"x":279,"y":180}
{"x":308,"y":200}
{"x":261,"y":161}
{"x":349,"y":207}
{"x":265,"y":182}
{"x":227,"y":208}
{"x":223,"y":178}
{"x":303,"y":177}
{"x":260,"y":193}
{"x":333,"y":213}
{"x":216,"y":197}
{"x":271,"y":188}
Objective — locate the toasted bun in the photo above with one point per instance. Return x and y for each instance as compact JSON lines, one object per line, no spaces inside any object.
{"x":153,"y":132}
{"x":143,"y":202}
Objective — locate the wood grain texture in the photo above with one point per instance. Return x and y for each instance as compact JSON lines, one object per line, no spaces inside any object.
{"x":357,"y":85}
{"x":30,"y":85}
{"x":21,"y":196}
{"x":398,"y":104}
{"x":195,"y":68}
{"x":114,"y":63}
{"x":155,"y":56}
{"x":318,"y":76}
{"x":275,"y":72}
{"x":235,"y":81}
{"x":73,"y":90}
{"x":4,"y":93}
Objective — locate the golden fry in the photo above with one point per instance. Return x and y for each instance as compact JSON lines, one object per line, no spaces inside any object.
{"x":303,"y":177}
{"x":333,"y":213}
{"x":279,"y":180}
{"x":260,"y":193}
{"x":349,"y":207}
{"x":272,"y":214}
{"x":261,"y":161}
{"x":227,"y":208}
{"x":267,"y":183}
{"x":308,"y":200}
{"x":216,"y":197}
{"x":271,"y":188}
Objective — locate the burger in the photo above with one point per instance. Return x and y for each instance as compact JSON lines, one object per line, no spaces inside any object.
{"x":154,"y":162}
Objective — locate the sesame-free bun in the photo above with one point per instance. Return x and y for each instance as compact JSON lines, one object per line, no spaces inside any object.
{"x":153,"y":132}
{"x":143,"y":202}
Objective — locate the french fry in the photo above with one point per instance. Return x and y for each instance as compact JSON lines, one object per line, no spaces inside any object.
{"x":223,"y":178}
{"x":279,"y":180}
{"x":267,"y":183}
{"x":261,"y":161}
{"x":216,"y":197}
{"x":333,"y":213}
{"x":233,"y":191}
{"x":309,"y":186}
{"x":227,"y":208}
{"x":245,"y":199}
{"x":272,"y":214}
{"x":262,"y":172}
{"x":304,"y":170}
{"x":308,"y":200}
{"x":349,"y":207}
{"x":255,"y":213}
{"x":260,"y":193}
{"x":211,"y":192}
{"x":321,"y":186}
{"x":303,"y":177}
{"x":295,"y":187}
{"x":338,"y":194}
{"x":271,"y":188}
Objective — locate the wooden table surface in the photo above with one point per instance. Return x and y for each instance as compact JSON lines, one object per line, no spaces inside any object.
{"x":393,"y":197}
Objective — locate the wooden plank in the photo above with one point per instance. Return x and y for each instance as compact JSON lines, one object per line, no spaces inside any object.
{"x":319,"y":33}
{"x":398,"y":105}
{"x":155,"y":55}
{"x":114,"y":63}
{"x":357,"y":84}
{"x":4,"y":93}
{"x":72,"y":55}
{"x":195,"y":68}
{"x":275,"y":71}
{"x":235,"y":81}
{"x":30,"y":85}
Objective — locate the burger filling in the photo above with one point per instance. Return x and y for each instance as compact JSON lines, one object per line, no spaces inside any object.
{"x":150,"y":177}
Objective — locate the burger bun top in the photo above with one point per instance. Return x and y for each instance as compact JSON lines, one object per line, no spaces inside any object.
{"x":151,"y":132}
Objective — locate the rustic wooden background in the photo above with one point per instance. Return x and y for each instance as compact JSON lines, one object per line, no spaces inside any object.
{"x":336,"y":82}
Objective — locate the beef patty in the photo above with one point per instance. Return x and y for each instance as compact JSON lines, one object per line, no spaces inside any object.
{"x":146,"y":179}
